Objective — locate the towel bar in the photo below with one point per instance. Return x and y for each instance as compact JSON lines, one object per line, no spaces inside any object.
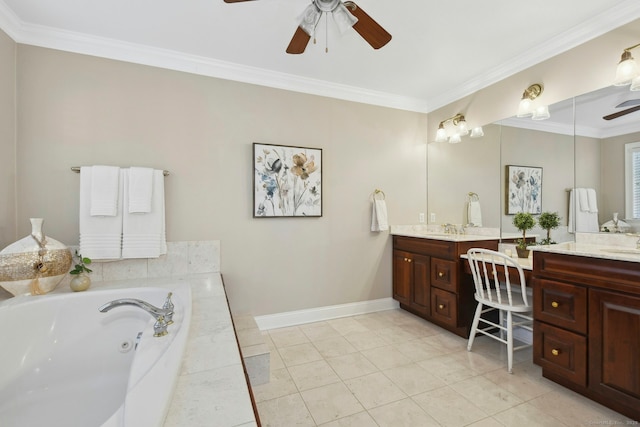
{"x":76,"y":169}
{"x":376,"y":192}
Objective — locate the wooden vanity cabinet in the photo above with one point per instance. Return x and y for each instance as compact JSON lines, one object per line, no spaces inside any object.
{"x":428,"y":280}
{"x":587,"y":327}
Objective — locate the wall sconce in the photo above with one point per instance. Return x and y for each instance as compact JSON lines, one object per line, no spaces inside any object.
{"x":529,"y":108}
{"x":627,"y":71}
{"x":454,"y":128}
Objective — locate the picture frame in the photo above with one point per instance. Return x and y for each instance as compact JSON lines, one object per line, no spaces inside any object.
{"x":524,"y":189}
{"x":287,"y":181}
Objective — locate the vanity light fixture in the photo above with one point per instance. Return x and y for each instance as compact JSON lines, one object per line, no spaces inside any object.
{"x":528,"y":107}
{"x":628,"y":71}
{"x":454,"y":128}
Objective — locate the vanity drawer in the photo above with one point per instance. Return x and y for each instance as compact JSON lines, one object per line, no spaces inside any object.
{"x":560,"y":304}
{"x":444,"y":274}
{"x":560,"y":352}
{"x":444,"y":306}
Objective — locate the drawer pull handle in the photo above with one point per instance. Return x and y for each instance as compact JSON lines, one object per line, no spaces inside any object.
{"x":440,"y":306}
{"x":440,"y":274}
{"x":555,"y":352}
{"x":555,"y":304}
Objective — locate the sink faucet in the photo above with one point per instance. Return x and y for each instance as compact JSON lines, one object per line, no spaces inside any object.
{"x":449,"y":228}
{"x":163,"y":316}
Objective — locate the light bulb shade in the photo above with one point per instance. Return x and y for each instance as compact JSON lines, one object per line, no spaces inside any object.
{"x":309,"y":19}
{"x":541,"y":113}
{"x":627,"y":70}
{"x":455,"y":138}
{"x":476,"y":132}
{"x":525,"y":108}
{"x":344,"y":19}
{"x":635,"y":83}
{"x":441,"y":135}
{"x":462,"y":128}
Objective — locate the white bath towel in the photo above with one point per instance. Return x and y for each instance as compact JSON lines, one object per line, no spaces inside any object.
{"x":592,"y":200}
{"x":100,"y":236}
{"x":474,"y":213}
{"x":105,"y":190}
{"x":140,"y":189}
{"x":579,"y":220}
{"x":583,"y":199}
{"x":379,"y":218}
{"x":143,"y":234}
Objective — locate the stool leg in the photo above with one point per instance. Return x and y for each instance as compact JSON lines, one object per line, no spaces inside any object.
{"x":474,"y":326}
{"x":509,"y":342}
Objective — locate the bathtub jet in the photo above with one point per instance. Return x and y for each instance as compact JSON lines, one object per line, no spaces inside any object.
{"x":163,"y":316}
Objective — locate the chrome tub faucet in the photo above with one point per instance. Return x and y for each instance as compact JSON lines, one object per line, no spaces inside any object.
{"x":163,"y":316}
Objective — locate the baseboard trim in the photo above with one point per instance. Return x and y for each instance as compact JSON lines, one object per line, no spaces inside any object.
{"x":318,"y":314}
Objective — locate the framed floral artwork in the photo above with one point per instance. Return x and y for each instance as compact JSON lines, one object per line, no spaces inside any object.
{"x":524,"y":189}
{"x":287,"y":181}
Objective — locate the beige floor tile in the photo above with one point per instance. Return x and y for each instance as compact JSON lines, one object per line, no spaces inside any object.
{"x":361,"y":419}
{"x":374,"y":390}
{"x":413,"y":379}
{"x":527,"y":415}
{"x":490,"y":422}
{"x":351,"y":365}
{"x":299,"y":354}
{"x":486,"y":395}
{"x":447,"y":369}
{"x":312,"y":375}
{"x":449,"y":407}
{"x":280,"y":384}
{"x":479,"y":362}
{"x":333,"y":347}
{"x":526,"y":382}
{"x":418,"y":350}
{"x":288,"y":410}
{"x":347,"y":325}
{"x":397,"y":334}
{"x":284,"y":337}
{"x":372,"y":321}
{"x":275,"y":361}
{"x":386,"y":357}
{"x":447,"y":342}
{"x":319,"y":331}
{"x":330,"y":402}
{"x":366,"y":340}
{"x":403,"y":413}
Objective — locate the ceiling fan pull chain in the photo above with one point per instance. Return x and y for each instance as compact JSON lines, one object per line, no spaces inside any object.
{"x":326,"y":32}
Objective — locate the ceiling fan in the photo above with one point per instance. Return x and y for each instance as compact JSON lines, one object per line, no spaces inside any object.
{"x":346,"y":14}
{"x":635,"y":102}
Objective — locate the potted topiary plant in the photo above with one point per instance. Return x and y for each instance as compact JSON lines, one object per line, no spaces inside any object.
{"x":523,"y":221}
{"x":549,"y":221}
{"x":81,"y":280}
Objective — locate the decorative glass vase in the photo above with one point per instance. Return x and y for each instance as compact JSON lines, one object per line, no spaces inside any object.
{"x":35,"y":264}
{"x":80,"y":282}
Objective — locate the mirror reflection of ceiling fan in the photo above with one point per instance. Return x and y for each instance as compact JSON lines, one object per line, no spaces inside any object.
{"x":636,"y":107}
{"x":346,"y":15}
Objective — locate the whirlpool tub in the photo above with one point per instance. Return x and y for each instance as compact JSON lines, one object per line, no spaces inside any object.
{"x":64,"y":363}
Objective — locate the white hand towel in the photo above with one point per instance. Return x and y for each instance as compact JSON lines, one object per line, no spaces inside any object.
{"x":583,"y":199}
{"x":379,"y":220}
{"x":105,"y":190}
{"x":592,"y":200}
{"x":140,"y":189}
{"x":474,"y":213}
{"x":579,"y":220}
{"x":143,"y":234}
{"x":100,"y":236}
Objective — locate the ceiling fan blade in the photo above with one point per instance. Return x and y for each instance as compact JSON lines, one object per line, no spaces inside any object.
{"x":621,"y":113}
{"x":369,"y":29}
{"x":629,"y":103}
{"x":235,"y":1}
{"x":298,"y":42}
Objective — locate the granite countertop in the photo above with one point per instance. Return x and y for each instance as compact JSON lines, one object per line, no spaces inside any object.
{"x":471,"y":234}
{"x":594,"y":250}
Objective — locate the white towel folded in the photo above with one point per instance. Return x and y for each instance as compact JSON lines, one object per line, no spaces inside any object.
{"x":474,"y":213}
{"x":379,"y":219}
{"x":140,"y":189}
{"x":583,"y":200}
{"x":100,"y":236}
{"x":105,"y":190}
{"x":579,"y":220}
{"x":592,"y":200}
{"x":143,"y":234}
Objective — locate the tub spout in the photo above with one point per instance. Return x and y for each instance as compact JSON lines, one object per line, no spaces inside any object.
{"x":163,"y":316}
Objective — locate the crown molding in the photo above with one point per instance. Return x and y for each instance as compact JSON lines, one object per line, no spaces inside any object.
{"x":614,"y":17}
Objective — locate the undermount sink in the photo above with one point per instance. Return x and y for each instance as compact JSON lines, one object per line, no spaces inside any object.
{"x":622,"y":251}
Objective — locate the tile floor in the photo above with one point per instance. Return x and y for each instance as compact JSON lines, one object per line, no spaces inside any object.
{"x":394,"y":369}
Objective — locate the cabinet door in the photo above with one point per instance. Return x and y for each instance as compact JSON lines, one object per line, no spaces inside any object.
{"x":421,"y":290}
{"x":614,"y":347}
{"x":402,"y":276}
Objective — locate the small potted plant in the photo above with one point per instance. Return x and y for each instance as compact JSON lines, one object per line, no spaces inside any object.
{"x":81,"y":280}
{"x":523,"y":221}
{"x":549,"y":221}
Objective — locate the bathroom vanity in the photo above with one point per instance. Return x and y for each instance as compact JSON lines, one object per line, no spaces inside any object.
{"x":429,"y":280}
{"x":587,"y":322}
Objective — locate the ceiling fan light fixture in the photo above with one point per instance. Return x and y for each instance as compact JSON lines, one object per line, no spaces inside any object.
{"x":626,"y":70}
{"x":635,"y":83}
{"x":343,"y":18}
{"x":308,"y":19}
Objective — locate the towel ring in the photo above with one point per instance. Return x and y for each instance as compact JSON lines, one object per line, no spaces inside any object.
{"x":474,"y":197}
{"x":376,"y":192}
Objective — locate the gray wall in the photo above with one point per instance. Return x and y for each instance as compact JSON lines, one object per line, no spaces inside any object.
{"x":78,"y":110}
{"x":7,"y":140}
